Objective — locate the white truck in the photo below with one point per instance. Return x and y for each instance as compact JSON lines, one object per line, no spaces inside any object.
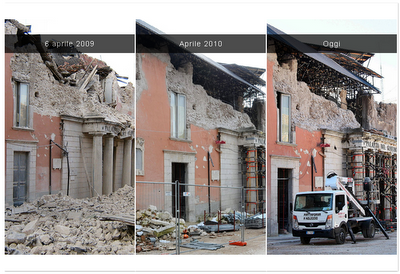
{"x":329,"y":214}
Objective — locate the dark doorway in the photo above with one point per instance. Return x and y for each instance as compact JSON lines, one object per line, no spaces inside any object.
{"x":20,"y":178}
{"x":284,"y":200}
{"x":179,"y":174}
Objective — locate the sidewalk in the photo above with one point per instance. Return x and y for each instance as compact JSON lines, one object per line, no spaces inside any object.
{"x":282,"y":238}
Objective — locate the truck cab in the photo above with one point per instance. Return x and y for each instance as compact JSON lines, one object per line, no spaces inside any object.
{"x":322,"y":214}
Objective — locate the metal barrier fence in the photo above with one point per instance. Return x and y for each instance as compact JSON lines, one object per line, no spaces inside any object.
{"x":163,"y":196}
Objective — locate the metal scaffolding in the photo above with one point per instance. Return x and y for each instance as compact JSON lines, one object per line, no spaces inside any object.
{"x":253,"y":171}
{"x":381,"y":168}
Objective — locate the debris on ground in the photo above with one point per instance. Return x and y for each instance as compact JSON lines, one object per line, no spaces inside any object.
{"x":58,"y":224}
{"x":195,"y":244}
{"x":256,"y":221}
{"x":156,"y":229}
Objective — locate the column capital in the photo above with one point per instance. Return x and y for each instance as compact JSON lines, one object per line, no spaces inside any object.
{"x":110,"y":135}
{"x":97,"y":133}
{"x":127,"y":133}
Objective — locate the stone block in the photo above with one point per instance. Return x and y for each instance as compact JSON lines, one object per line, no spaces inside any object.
{"x":159,"y":222}
{"x":152,"y":208}
{"x":46,"y":239}
{"x":164,"y":230}
{"x":17,"y":228}
{"x":15,"y":237}
{"x":63,"y":230}
{"x":116,"y":234}
{"x":76,"y":216}
{"x":30,"y":227}
{"x":165,"y":215}
{"x":108,"y":237}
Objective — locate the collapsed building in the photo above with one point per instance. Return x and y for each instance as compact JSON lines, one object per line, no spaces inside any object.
{"x":322,"y":118}
{"x":69,"y":125}
{"x":200,"y":123}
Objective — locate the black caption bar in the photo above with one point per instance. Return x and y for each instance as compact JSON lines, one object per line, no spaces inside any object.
{"x":85,"y":43}
{"x":371,"y":43}
{"x":203,"y":43}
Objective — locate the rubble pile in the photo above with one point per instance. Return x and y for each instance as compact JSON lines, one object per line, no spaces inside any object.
{"x":59,"y":224}
{"x":156,"y":230}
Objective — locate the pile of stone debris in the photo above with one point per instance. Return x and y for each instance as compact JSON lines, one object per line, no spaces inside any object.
{"x":59,"y":224}
{"x":157,"y":229}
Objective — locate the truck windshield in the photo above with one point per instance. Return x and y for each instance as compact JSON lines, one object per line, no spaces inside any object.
{"x":313,"y":202}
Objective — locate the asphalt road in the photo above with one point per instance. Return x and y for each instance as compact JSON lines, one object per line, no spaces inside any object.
{"x":379,"y":245}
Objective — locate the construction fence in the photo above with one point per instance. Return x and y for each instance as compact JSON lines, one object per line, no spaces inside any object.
{"x":209,"y":208}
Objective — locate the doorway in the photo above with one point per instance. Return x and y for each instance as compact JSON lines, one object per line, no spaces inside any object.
{"x":179,"y":174}
{"x":284,"y":200}
{"x":20,"y":178}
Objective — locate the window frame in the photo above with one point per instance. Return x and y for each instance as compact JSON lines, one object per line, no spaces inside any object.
{"x":109,"y":93}
{"x":281,"y":114}
{"x":139,"y":146}
{"x":17,"y":106}
{"x":178,"y":116}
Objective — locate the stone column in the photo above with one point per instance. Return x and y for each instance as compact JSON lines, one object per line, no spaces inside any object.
{"x":108,"y":165}
{"x":368,"y":111}
{"x":343,"y":99}
{"x":127,"y":166}
{"x":97,"y":163}
{"x":133,"y":163}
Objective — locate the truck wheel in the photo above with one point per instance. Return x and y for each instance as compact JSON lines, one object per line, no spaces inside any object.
{"x":305,"y":240}
{"x":340,"y":237}
{"x":369,"y":232}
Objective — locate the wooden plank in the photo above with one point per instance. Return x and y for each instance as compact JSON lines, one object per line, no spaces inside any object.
{"x":12,"y":220}
{"x":130,"y":220}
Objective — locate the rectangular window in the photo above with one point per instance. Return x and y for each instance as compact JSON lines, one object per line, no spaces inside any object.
{"x":340,"y":202}
{"x":178,"y":116}
{"x":139,"y":159}
{"x":22,"y":105}
{"x":284,"y":118}
{"x":108,"y":91}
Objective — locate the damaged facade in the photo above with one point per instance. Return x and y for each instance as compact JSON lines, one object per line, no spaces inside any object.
{"x":69,"y":126}
{"x":193,"y":126}
{"x":322,"y":118}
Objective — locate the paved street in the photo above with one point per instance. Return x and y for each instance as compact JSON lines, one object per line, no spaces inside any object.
{"x":289,"y":245}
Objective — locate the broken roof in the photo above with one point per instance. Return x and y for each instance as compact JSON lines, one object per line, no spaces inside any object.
{"x":226,"y":83}
{"x":247,"y":73}
{"x":360,"y":57}
{"x":351,"y":64}
{"x":306,"y":50}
